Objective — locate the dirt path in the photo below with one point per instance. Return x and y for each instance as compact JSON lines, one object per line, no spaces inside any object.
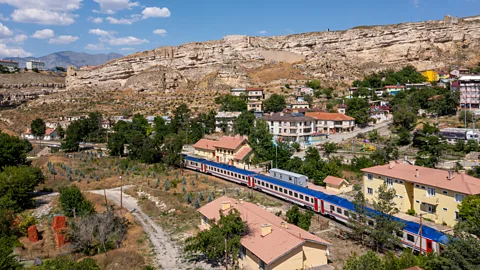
{"x":167,"y":254}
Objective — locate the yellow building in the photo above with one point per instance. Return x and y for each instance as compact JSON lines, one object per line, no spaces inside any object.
{"x":229,"y":150}
{"x":431,"y":75}
{"x":271,"y":242}
{"x":337,"y":184}
{"x":433,"y":193}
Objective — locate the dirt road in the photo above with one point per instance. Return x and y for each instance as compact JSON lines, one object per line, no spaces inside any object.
{"x":167,"y":254}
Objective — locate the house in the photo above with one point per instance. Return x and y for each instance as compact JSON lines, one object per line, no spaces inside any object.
{"x":470,"y":91}
{"x":443,"y":75}
{"x":294,"y":127}
{"x":332,"y":122}
{"x":431,"y":75}
{"x":237,"y":91}
{"x":228,"y":150}
{"x":455,"y":86}
{"x":255,"y":106}
{"x":299,"y":105}
{"x":224,"y":121}
{"x":27,"y":134}
{"x":254,"y":94}
{"x":342,"y":108}
{"x":271,"y":243}
{"x":305,"y":91}
{"x":380,"y":113}
{"x":433,"y":193}
{"x":409,"y":86}
{"x":337,"y":184}
{"x":458,"y":72}
{"x":11,"y":65}
{"x":50,"y":135}
{"x":394,"y":89}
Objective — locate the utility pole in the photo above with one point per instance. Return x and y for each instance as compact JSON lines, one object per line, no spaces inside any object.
{"x":121,"y":192}
{"x":105,"y":194}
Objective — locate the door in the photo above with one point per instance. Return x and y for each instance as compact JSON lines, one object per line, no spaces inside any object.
{"x":429,"y":245}
{"x":217,"y":158}
{"x":315,"y":204}
{"x":323,"y":207}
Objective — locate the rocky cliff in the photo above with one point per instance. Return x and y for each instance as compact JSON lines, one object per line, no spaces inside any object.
{"x":339,"y":55}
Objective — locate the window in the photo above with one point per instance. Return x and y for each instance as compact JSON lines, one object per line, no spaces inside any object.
{"x":400,"y":181}
{"x":280,"y":189}
{"x":346,"y":213}
{"x":370,"y":190}
{"x":445,"y":209}
{"x":295,"y":195}
{"x":423,"y":187}
{"x":285,"y":191}
{"x":431,"y":192}
{"x":307,"y":198}
{"x":457,"y":216}
{"x":339,"y":210}
{"x":301,"y":197}
{"x":389,"y":182}
{"x":290,"y":193}
{"x":271,"y":186}
{"x":332,"y":208}
{"x":261,"y":264}
{"x":445,"y":192}
{"x":431,"y":208}
{"x":458,"y":197}
{"x":399,"y":234}
{"x":276,"y":188}
{"x":353,"y":216}
{"x":370,"y":176}
{"x":401,"y":197}
{"x":243,"y":251}
{"x":410,"y":238}
{"x":417,"y":201}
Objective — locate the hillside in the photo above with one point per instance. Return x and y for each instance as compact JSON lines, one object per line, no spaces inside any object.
{"x":69,"y":58}
{"x":338,"y":56}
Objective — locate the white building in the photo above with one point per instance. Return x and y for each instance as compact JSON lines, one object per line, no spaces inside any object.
{"x":35,"y":64}
{"x":11,"y":65}
{"x":294,"y":127}
{"x":224,"y":121}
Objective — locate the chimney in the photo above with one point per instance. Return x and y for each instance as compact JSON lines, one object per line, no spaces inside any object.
{"x":417,"y":173}
{"x":284,"y":225}
{"x":281,"y":114}
{"x":450,"y":175}
{"x":462,"y":172}
{"x":225,"y":205}
{"x":266,"y":229}
{"x":391,"y":164}
{"x":405,"y":159}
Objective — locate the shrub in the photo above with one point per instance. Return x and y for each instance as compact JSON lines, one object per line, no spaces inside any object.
{"x":72,"y":200}
{"x":411,"y":212}
{"x":25,"y":222}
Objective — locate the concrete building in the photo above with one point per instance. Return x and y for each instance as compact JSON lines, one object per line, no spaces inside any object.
{"x":255,"y":93}
{"x":433,"y":193}
{"x":224,"y":121}
{"x":294,"y":127}
{"x":380,"y":113}
{"x":255,"y":106}
{"x":299,"y":105}
{"x":271,"y":242}
{"x":332,"y":123}
{"x":35,"y":64}
{"x":394,"y":89}
{"x":11,"y":65}
{"x":237,"y":91}
{"x":50,"y":135}
{"x":470,"y":91}
{"x":229,"y":150}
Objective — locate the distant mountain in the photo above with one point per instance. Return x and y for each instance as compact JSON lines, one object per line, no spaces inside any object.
{"x":68,"y":58}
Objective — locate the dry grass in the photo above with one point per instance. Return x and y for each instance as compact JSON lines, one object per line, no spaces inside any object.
{"x":274,"y":72}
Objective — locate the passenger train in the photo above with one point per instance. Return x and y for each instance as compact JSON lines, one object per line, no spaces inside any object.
{"x":332,"y":206}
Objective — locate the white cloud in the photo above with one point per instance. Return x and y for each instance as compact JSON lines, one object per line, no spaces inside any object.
{"x":18,"y":39}
{"x":126,"y":41}
{"x":4,"y":31}
{"x":3,"y":18}
{"x":100,"y":32}
{"x":155,"y":12}
{"x":110,"y":6}
{"x":95,"y":20}
{"x":43,"y":34}
{"x":262,"y":32}
{"x":160,"y":32}
{"x":96,"y":47}
{"x":62,"y":40}
{"x":54,"y":5}
{"x":40,"y":16}
{"x":113,"y":20}
{"x":127,"y":49}
{"x":416,"y":3}
{"x":6,"y":51}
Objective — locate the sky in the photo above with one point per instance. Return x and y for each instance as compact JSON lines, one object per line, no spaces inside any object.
{"x":40,"y":27}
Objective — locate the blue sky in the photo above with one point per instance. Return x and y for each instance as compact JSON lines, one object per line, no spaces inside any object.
{"x":40,"y":27}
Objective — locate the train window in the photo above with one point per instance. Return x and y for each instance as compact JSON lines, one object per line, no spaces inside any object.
{"x":353,"y":216}
{"x":295,"y":195}
{"x":281,"y":189}
{"x":301,"y":197}
{"x":276,"y":188}
{"x":271,"y":186}
{"x":307,"y":198}
{"x":345,"y":212}
{"x":285,"y":191}
{"x":410,"y":238}
{"x":400,"y":234}
{"x":289,"y":193}
{"x":339,"y":210}
{"x":429,"y":245}
{"x":332,"y":208}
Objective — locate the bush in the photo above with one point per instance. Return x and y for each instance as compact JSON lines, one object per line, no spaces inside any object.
{"x":72,"y":200}
{"x":25,"y":222}
{"x":411,"y":212}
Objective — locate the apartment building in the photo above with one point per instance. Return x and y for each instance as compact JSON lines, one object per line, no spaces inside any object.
{"x":224,"y":121}
{"x":35,"y":64}
{"x":433,"y":193}
{"x":11,"y":65}
{"x":470,"y":91}
{"x":332,"y":123}
{"x":229,"y":150}
{"x":293,"y":127}
{"x":271,"y":242}
{"x":254,"y":97}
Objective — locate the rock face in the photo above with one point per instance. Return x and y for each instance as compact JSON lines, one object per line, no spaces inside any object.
{"x":338,"y":55}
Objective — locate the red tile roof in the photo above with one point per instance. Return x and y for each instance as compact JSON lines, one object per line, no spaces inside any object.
{"x":414,"y":268}
{"x":334,"y":181}
{"x":243,"y":153}
{"x":49,"y":131}
{"x":254,"y":89}
{"x":329,"y":116}
{"x":231,"y":143}
{"x":27,"y":131}
{"x":205,"y":145}
{"x":461,"y":182}
{"x":272,"y":246}
{"x":394,"y":87}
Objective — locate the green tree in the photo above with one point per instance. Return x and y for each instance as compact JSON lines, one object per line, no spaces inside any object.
{"x":358,"y":108}
{"x":67,"y":263}
{"x":172,"y":149}
{"x":275,"y":103}
{"x":404,"y":136}
{"x":308,"y":99}
{"x":73,"y":201}
{"x":383,"y":234}
{"x":369,"y":261}
{"x":62,"y":69}
{"x":330,"y":148}
{"x":359,"y":219}
{"x":296,"y":217}
{"x":260,"y":140}
{"x":228,"y":230}
{"x":60,"y":132}
{"x":314,"y":84}
{"x":13,"y":151}
{"x":468,"y":117}
{"x":404,"y":116}
{"x":7,"y":258}
{"x":469,"y":212}
{"x":229,"y":103}
{"x":243,"y":123}
{"x":38,"y":128}
{"x":17,"y":185}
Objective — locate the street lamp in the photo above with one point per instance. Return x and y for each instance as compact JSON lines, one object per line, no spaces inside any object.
{"x":121,"y":192}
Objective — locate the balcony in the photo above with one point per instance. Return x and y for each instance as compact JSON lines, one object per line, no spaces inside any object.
{"x":434,"y":200}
